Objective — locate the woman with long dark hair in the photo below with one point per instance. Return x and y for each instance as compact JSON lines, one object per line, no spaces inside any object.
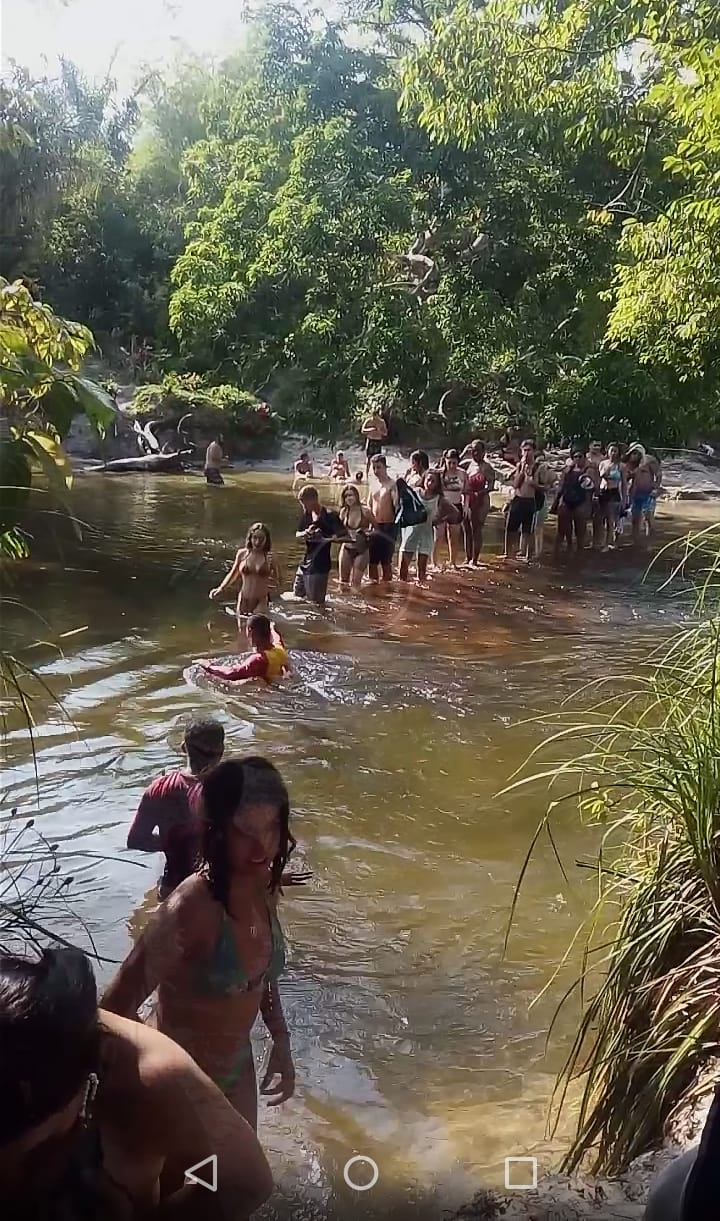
{"x":215,"y":950}
{"x":94,"y":1109}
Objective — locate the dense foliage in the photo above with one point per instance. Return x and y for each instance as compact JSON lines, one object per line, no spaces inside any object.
{"x":269,"y":222}
{"x":41,"y":390}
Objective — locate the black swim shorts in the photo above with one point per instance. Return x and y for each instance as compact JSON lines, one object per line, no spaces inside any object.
{"x":373,"y":447}
{"x":521,"y":514}
{"x":381,"y":544}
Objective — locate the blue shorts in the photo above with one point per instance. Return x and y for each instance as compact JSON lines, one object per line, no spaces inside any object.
{"x":640,"y":505}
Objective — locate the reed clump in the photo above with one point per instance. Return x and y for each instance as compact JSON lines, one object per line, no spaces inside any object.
{"x":642,"y":762}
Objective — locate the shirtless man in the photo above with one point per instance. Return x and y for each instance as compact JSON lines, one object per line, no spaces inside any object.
{"x":643,"y":477}
{"x":374,"y":430}
{"x":383,"y":505}
{"x":528,"y":482}
{"x":214,"y":459}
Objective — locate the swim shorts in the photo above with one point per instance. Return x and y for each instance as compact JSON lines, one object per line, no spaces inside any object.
{"x":642,"y":504}
{"x":521,"y":514}
{"x":382,"y":544}
{"x":373,"y":447}
{"x":212,"y":474}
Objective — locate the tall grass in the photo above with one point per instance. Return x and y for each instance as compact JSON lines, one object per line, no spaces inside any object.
{"x":642,"y":763}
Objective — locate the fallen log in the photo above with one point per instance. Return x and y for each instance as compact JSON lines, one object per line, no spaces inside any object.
{"x":152,"y":463}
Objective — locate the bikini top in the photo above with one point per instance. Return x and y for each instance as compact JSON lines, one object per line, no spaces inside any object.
{"x":263,"y":569}
{"x":224,"y":975}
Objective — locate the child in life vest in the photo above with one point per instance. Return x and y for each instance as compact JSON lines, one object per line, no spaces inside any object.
{"x":269,"y":661}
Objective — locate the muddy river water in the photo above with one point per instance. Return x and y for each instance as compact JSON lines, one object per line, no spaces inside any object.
{"x":414,"y":1037}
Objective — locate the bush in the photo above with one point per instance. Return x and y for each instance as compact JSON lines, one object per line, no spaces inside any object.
{"x":229,"y":410}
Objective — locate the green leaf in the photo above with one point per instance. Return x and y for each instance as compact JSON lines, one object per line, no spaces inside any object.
{"x":59,"y":405}
{"x":95,"y":402}
{"x":52,"y":458}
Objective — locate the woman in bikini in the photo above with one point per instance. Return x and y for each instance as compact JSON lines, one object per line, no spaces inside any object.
{"x":358,"y":520}
{"x":214,"y":951}
{"x":612,"y":496}
{"x":454,"y":482}
{"x":255,"y":569}
{"x":99,"y":1117}
{"x":480,"y":483}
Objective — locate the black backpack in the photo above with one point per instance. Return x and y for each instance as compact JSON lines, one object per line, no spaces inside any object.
{"x":410,"y":511}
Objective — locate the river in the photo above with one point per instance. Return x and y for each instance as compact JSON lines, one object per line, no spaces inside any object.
{"x":414,"y":1036}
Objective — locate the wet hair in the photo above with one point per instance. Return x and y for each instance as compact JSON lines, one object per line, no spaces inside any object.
{"x":256,"y":528}
{"x":225,"y":790}
{"x":420,"y":458}
{"x":261,"y":624}
{"x":49,"y":1036}
{"x":308,"y":492}
{"x":204,"y":742}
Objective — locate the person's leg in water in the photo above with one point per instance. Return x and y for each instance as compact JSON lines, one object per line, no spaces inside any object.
{"x":239,"y":1086}
{"x":580,"y":519}
{"x":359,"y":569}
{"x":564,"y":529}
{"x":345,"y":564}
{"x":527,"y":540}
{"x":438,"y":536}
{"x":478,"y":519}
{"x":388,"y":551}
{"x":422,"y":568}
{"x":316,"y":587}
{"x":468,"y":536}
{"x":404,"y":574}
{"x":374,"y":556}
{"x":512,"y":533}
{"x":454,"y":537}
{"x":298,"y":589}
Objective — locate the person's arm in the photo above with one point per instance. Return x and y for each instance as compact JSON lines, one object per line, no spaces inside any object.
{"x":167,"y":940}
{"x":280,"y":1063}
{"x":185,"y":1119}
{"x":367,"y":427}
{"x":275,"y":577}
{"x":143,"y":833}
{"x":383,"y":427}
{"x":302,"y":529}
{"x":254,"y":667}
{"x":233,"y":575}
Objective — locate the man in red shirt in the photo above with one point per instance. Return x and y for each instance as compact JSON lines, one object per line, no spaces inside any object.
{"x":269,"y":661}
{"x":167,"y":819}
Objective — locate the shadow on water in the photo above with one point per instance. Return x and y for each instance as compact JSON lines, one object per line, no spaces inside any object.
{"x":414,"y":1038}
